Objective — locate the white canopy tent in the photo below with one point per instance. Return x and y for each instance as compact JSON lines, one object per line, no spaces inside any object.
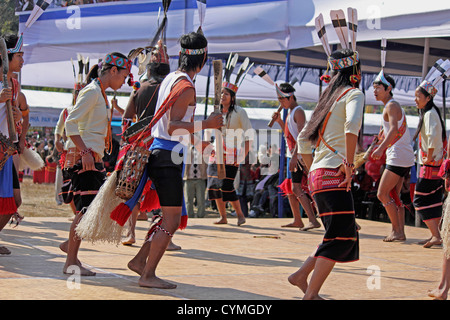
{"x":278,"y":32}
{"x":264,"y":30}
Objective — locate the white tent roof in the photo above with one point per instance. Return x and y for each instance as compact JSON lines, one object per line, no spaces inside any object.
{"x":261,"y":29}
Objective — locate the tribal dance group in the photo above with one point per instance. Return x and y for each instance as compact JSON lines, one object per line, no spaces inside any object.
{"x":160,"y":116}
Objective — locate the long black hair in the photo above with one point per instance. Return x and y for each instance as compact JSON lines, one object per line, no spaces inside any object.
{"x":11,"y":41}
{"x":232,"y":104}
{"x":339,"y":80}
{"x":430,"y":105}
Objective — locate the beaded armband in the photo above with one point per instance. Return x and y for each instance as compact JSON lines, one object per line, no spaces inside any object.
{"x":85,"y":152}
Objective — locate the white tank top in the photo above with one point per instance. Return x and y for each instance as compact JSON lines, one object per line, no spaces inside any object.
{"x":401,"y":153}
{"x":292,"y":127}
{"x":160,"y":129}
{"x":3,"y":115}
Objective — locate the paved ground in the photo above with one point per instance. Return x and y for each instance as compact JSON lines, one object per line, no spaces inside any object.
{"x":226,"y":262}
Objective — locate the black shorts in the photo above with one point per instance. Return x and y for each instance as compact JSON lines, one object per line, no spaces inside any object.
{"x":400,"y":171}
{"x":296,"y":176}
{"x":16,"y":183}
{"x":167,"y":177}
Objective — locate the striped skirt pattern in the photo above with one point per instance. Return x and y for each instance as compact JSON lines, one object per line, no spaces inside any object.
{"x":428,"y":194}
{"x":222,"y":189}
{"x":336,"y":210}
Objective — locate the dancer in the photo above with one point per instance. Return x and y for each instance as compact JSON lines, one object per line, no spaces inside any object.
{"x":63,"y":179}
{"x":440,"y":71}
{"x":237,"y":126}
{"x":89,"y":129}
{"x":334,"y":127}
{"x":177,"y":92}
{"x":295,"y":122}
{"x":396,"y":142}
{"x":428,"y":192}
{"x":142,"y":104}
{"x":10,"y":199}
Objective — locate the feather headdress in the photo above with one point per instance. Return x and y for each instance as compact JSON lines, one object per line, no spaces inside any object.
{"x":241,"y":73}
{"x":347,"y":37}
{"x":438,"y":73}
{"x":381,"y":77}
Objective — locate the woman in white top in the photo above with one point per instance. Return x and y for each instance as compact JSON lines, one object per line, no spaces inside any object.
{"x":88,"y":128}
{"x":333,"y":129}
{"x":428,"y":194}
{"x":399,"y":156}
{"x":237,"y":125}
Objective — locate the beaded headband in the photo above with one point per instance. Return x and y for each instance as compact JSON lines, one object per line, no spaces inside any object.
{"x":194,"y":52}
{"x":381,"y":78}
{"x":428,"y":87}
{"x":18,"y":47}
{"x":282,"y":94}
{"x":230,"y":86}
{"x":118,"y":62}
{"x":337,"y":64}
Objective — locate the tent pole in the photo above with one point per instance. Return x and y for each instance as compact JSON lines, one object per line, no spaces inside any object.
{"x":444,"y":108}
{"x":207,"y":89}
{"x":281,"y":176}
{"x":426,"y":53}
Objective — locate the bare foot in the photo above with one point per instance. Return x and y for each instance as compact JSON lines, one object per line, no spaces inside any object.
{"x":311,"y":226}
{"x":433,"y":242}
{"x":155,"y":282}
{"x":221,"y":221}
{"x":298,"y":279}
{"x":135,"y":266}
{"x":172,"y":246}
{"x":4,"y":251}
{"x":314,"y":297}
{"x":437,"y":294}
{"x":294,"y":225}
{"x":129,"y":241}
{"x":395,"y":237}
{"x":241,"y":221}
{"x":424,"y":241}
{"x":71,"y":269}
{"x":63,"y":246}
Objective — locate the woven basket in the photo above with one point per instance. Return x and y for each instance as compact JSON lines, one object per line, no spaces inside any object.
{"x":133,"y":168}
{"x":7,"y":149}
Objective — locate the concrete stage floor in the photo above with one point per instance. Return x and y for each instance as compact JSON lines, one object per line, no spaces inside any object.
{"x":217,"y":262}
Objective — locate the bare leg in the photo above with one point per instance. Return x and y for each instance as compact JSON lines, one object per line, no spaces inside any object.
{"x":433,"y":225}
{"x":159,"y":243}
{"x":131,"y":235}
{"x":305,"y":201}
{"x":237,"y":207}
{"x":73,"y":247}
{"x":4,"y":218}
{"x":389,"y":180}
{"x":295,"y":207}
{"x":137,"y":264}
{"x":441,"y":292}
{"x":300,"y":277}
{"x":322,"y":269}
{"x":222,"y":211}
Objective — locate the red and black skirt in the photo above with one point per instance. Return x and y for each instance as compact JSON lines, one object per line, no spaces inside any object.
{"x":428,"y":193}
{"x":222,"y":189}
{"x":336,"y":210}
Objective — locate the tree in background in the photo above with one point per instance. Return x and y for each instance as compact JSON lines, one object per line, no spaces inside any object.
{"x":9,"y":22}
